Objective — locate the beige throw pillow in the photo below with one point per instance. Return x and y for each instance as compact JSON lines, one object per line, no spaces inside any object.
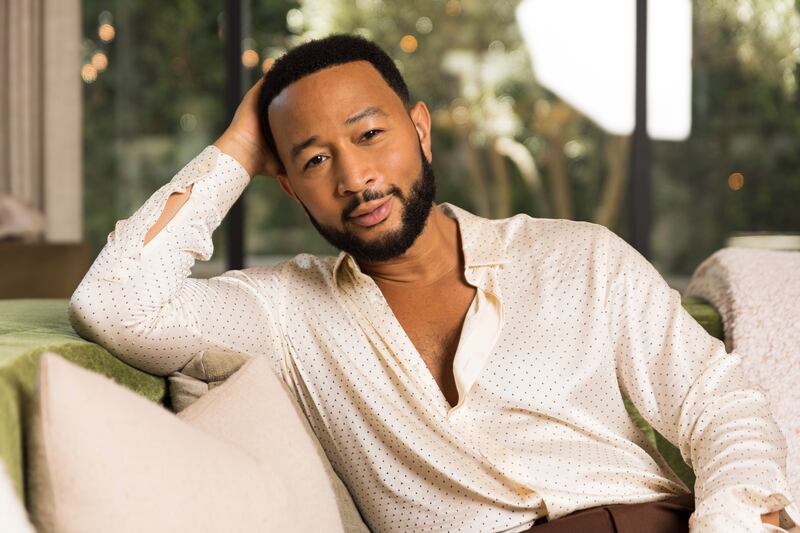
{"x":103,"y":458}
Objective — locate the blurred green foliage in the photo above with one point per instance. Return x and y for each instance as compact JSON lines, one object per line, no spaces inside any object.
{"x":161,"y":100}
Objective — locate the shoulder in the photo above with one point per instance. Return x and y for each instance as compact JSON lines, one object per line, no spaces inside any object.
{"x":524,"y":235}
{"x":563,"y":228}
{"x":282,"y":273}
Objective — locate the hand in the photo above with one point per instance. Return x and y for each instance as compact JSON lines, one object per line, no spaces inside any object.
{"x":242,"y":139}
{"x":771,"y":518}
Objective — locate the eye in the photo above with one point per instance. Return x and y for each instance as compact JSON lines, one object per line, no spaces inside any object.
{"x":310,"y":161}
{"x":371,"y":136}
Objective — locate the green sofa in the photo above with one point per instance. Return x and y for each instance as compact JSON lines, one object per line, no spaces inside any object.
{"x":28,"y":327}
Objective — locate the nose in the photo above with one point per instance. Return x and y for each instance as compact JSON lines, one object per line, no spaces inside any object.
{"x":354,"y":173}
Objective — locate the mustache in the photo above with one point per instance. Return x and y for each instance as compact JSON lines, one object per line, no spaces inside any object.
{"x":368,"y":196}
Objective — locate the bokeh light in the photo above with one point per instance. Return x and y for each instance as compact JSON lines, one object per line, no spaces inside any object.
{"x":424,"y":25}
{"x":250,"y":58}
{"x":736,"y":181}
{"x":106,"y":32}
{"x":188,"y":122}
{"x":453,"y":7}
{"x":408,"y":43}
{"x":99,"y":61}
{"x":88,"y":73}
{"x":461,"y":115}
{"x":295,"y":20}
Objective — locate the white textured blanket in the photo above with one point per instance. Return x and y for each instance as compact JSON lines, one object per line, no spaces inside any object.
{"x":13,"y":517}
{"x":757,"y":292}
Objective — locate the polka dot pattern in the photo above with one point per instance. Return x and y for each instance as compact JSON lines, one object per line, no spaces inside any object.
{"x":576,"y":315}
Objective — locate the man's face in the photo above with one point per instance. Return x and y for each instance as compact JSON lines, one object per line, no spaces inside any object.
{"x":355,"y":159}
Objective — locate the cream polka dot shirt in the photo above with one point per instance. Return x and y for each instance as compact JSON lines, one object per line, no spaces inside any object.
{"x":567,"y":315}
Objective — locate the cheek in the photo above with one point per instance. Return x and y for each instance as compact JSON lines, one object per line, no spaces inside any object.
{"x":320,"y":201}
{"x":401,"y":163}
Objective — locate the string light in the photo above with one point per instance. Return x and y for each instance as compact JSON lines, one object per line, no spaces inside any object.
{"x":249,"y":58}
{"x":106,"y":32}
{"x":408,"y":43}
{"x":453,"y":8}
{"x":88,"y":73}
{"x":736,"y":181}
{"x":267,"y":64}
{"x":100,"y":61}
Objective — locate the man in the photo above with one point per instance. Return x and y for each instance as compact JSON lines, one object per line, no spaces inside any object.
{"x":462,"y":374}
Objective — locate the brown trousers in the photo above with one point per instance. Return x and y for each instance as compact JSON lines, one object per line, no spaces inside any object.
{"x":665,"y":516}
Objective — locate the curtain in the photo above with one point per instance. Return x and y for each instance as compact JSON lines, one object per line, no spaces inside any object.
{"x":40,"y":111}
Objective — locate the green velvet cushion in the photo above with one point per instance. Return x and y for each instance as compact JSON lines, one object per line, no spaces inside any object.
{"x":705,"y":314}
{"x":27,"y":328}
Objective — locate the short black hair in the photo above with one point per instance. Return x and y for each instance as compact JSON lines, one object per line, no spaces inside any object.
{"x":316,"y":55}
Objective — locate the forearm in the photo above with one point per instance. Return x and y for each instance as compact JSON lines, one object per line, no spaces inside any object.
{"x":227,"y":144}
{"x":174,"y":203}
{"x":135,"y":295}
{"x":693,"y":392}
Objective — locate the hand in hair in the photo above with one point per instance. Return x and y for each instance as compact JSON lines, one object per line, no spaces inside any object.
{"x":243,"y":141}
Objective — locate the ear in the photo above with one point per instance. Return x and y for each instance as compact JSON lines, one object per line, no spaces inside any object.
{"x":283,"y":181}
{"x":421,"y":118}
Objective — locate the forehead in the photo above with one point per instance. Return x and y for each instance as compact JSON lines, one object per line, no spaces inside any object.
{"x":327,"y":97}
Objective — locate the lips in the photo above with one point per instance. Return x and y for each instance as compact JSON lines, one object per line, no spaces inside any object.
{"x":378,"y":214}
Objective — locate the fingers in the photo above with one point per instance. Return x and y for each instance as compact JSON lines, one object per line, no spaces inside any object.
{"x":257,"y":85}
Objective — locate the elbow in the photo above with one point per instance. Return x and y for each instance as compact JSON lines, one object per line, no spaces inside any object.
{"x":78,"y":313}
{"x":98,"y":313}
{"x":95,"y":314}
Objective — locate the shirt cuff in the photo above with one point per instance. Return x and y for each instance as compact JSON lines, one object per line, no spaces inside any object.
{"x":739,"y":509}
{"x":218,"y":180}
{"x":217,"y":177}
{"x":789,"y":518}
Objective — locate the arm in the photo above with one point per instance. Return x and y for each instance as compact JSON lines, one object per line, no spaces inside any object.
{"x":693,"y":392}
{"x":241,"y":141}
{"x":137,"y":299}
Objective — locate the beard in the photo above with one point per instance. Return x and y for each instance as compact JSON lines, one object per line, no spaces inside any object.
{"x":415,"y":210}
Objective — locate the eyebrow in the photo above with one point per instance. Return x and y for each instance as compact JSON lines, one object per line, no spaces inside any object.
{"x":297,"y":148}
{"x":368,"y":112}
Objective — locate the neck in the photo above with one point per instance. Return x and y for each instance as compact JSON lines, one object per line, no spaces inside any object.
{"x":436,"y":252}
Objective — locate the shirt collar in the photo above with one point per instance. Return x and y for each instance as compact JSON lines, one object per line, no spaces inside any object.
{"x":481,"y":241}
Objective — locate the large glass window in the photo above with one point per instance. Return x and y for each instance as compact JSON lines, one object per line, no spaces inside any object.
{"x":739,"y":171}
{"x":154,"y":97}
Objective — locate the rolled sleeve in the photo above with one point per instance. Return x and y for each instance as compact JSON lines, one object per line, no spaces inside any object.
{"x":139,"y":301}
